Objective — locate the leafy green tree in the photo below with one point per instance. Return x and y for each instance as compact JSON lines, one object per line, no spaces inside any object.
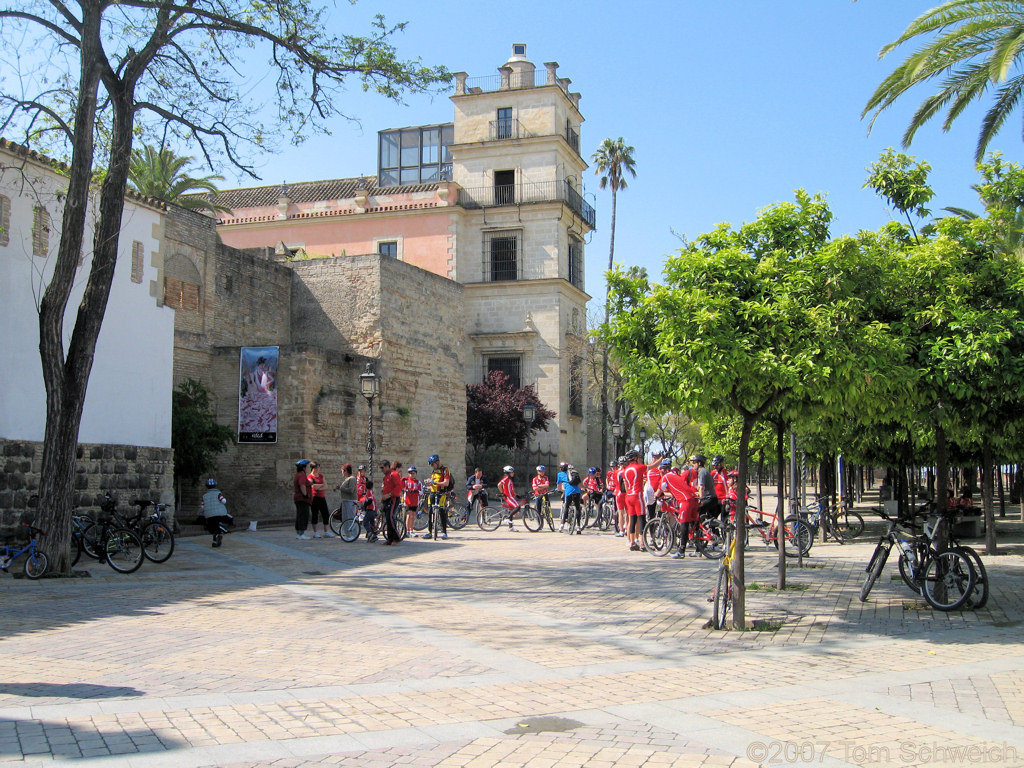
{"x":148,"y":68}
{"x":196,"y":437}
{"x":903,"y":181}
{"x":968,"y":46}
{"x":613,"y":161}
{"x":738,"y":324}
{"x":160,"y":173}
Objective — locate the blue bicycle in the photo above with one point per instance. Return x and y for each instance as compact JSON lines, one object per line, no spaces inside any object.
{"x":35,"y":564}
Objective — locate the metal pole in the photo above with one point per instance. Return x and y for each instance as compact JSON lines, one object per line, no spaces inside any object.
{"x":370,"y":446}
{"x":792,"y":473}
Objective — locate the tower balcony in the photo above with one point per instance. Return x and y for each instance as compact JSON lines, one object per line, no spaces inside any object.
{"x":499,"y":195}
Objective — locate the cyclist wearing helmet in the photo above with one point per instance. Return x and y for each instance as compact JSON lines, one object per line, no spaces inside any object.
{"x":592,"y":484}
{"x":412,"y":488}
{"x":652,"y":490}
{"x":572,"y":496}
{"x":619,"y":490}
{"x":509,"y":500}
{"x":632,"y":478}
{"x":302,"y":495}
{"x":709,"y":505}
{"x":438,"y":487}
{"x":721,"y":478}
{"x":215,"y":512}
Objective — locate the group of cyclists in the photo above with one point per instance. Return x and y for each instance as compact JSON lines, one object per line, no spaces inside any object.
{"x":635,"y":486}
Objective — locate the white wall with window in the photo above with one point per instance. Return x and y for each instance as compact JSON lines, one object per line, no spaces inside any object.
{"x":129,"y":394}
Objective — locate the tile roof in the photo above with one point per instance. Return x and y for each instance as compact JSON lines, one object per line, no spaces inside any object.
{"x":311,"y":191}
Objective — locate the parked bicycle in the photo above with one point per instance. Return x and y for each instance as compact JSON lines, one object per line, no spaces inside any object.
{"x":946,"y":578}
{"x":36,"y":563}
{"x":491,"y":518}
{"x":722,"y":595}
{"x":838,"y":523}
{"x":110,"y":542}
{"x":542,"y":505}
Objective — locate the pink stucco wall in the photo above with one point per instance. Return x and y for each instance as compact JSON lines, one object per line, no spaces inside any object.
{"x":425,"y":231}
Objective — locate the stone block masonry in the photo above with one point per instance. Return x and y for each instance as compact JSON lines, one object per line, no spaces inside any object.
{"x":128,"y":472}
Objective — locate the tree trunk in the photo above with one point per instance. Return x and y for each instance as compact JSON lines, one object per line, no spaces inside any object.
{"x":780,"y":506}
{"x":986,"y":496}
{"x":739,"y":610}
{"x":1002,"y":493}
{"x":66,"y":379}
{"x":941,"y":473}
{"x":604,"y":347}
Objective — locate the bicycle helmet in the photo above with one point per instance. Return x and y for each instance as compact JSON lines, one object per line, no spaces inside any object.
{"x":666,"y":463}
{"x":433,"y":458}
{"x":508,"y":469}
{"x":412,"y":470}
{"x":613,"y":463}
{"x":211,"y":483}
{"x":632,"y":454}
{"x":563,"y":466}
{"x":592,"y":471}
{"x":699,"y":458}
{"x":301,"y":463}
{"x":361,"y":467}
{"x":541,"y":468}
{"x":718,"y":459}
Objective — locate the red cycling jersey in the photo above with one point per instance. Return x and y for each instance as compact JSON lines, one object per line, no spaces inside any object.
{"x":508,"y":493}
{"x":413,"y":488}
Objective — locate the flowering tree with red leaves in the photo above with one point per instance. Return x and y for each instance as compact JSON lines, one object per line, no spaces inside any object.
{"x":494,"y":413}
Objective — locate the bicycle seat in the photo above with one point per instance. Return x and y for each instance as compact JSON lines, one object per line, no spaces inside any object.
{"x":142,"y":503}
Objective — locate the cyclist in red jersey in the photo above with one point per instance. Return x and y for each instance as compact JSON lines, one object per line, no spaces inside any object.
{"x":620,"y":498}
{"x":722,"y":484}
{"x":592,"y":484}
{"x":509,"y":500}
{"x":411,"y":490}
{"x":540,"y":485}
{"x":685,"y":494}
{"x":632,"y":478}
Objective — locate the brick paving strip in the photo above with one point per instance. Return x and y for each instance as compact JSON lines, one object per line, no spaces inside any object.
{"x":474,"y":655}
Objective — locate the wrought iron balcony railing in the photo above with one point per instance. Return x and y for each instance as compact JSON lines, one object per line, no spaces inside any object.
{"x":529,"y":192}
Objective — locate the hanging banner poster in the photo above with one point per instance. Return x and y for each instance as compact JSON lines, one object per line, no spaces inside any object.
{"x":257,"y":395}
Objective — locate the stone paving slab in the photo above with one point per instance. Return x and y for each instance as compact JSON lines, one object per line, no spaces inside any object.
{"x":499,"y":649}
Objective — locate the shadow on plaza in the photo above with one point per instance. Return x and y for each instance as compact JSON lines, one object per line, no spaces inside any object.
{"x":68,"y":690}
{"x":562,"y":582}
{"x":42,"y":739}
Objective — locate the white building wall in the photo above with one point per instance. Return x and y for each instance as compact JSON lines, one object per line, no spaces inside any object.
{"x":129,"y":395}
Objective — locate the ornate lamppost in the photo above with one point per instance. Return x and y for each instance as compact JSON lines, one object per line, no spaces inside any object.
{"x":529,"y":414}
{"x":616,"y":435}
{"x":643,"y":440}
{"x":369,"y":387}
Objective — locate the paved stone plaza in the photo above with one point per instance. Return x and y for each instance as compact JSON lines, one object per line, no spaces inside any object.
{"x":500,"y":649}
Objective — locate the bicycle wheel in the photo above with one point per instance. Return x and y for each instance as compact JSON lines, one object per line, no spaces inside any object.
{"x":722,"y":598}
{"x":399,"y":518}
{"x":657,"y":537}
{"x":92,"y":537}
{"x":875,"y":566}
{"x":850,"y":524}
{"x":589,"y":517}
{"x":979,"y":597}
{"x":911,"y":576}
{"x":532,"y":519}
{"x":157,"y":542}
{"x":336,"y":520}
{"x":799,"y":537}
{"x":548,"y":517}
{"x":948,"y":580}
{"x":349,"y":530}
{"x":489,"y":518}
{"x":36,"y":564}
{"x":458,"y":516}
{"x":420,"y":521}
{"x":604,"y":517}
{"x":123,"y":550}
{"x":711,"y":536}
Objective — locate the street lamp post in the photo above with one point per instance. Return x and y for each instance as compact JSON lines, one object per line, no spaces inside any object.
{"x":616,"y":434}
{"x":369,"y":387}
{"x":529,"y":414}
{"x":643,"y":440}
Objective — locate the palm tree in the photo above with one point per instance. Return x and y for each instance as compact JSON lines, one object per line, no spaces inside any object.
{"x":976,"y":44}
{"x":614,"y":159}
{"x":162,"y":174}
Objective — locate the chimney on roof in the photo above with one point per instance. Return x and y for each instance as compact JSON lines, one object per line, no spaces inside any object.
{"x":283,"y":202}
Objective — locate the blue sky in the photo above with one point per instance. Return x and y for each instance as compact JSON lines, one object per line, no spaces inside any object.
{"x":730,"y":105}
